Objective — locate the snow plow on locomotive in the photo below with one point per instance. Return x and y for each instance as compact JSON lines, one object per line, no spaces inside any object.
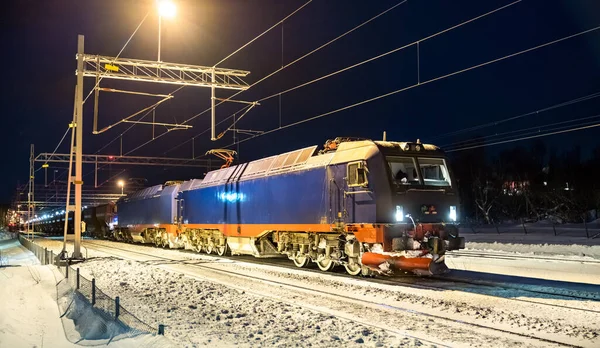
{"x":373,"y":207}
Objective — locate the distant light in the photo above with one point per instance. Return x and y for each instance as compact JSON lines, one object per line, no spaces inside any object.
{"x":121,"y":183}
{"x":166,"y":8}
{"x":545,"y":183}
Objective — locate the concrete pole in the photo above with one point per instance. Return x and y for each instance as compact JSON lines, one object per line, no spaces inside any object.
{"x":78,"y":149}
{"x":70,"y":176}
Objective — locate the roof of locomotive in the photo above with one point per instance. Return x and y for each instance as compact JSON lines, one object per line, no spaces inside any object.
{"x":303,"y":159}
{"x":408,"y":147}
{"x":152,"y":191}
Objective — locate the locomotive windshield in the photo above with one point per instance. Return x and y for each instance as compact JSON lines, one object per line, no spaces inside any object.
{"x":411,"y":171}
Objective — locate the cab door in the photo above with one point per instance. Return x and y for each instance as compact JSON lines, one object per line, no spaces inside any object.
{"x":359,"y":198}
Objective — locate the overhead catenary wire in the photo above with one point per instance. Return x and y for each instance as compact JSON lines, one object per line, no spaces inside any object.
{"x":263,"y":33}
{"x":523,"y":132}
{"x":418,"y":84}
{"x":497,"y":122}
{"x":414,"y":43}
{"x":280,"y":69}
{"x":133,"y":125}
{"x":351,"y":66}
{"x":512,"y":118}
{"x":58,"y":145}
{"x":229,"y":56}
{"x":118,"y":55}
{"x":175,"y":91}
{"x":529,"y":137}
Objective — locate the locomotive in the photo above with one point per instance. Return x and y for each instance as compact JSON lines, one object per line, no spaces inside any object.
{"x":372,"y":207}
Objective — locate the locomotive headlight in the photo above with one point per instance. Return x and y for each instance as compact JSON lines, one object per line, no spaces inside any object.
{"x":453,"y":213}
{"x":399,"y":213}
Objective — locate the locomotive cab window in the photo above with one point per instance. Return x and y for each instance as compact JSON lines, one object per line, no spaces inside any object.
{"x":357,"y":174}
{"x":404,"y":171}
{"x":434,"y":171}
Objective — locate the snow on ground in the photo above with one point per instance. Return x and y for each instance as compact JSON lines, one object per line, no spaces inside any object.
{"x":570,"y":241}
{"x":5,"y":235}
{"x":198,"y":313}
{"x":521,"y":245}
{"x":198,"y":306}
{"x":30,"y":315}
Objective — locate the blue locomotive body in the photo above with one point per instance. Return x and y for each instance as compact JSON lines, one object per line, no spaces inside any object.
{"x":366,"y":205}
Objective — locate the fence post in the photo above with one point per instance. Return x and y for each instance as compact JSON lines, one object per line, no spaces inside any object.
{"x":161,"y":329}
{"x":45,"y":256}
{"x":117,"y":307}
{"x":93,"y":291}
{"x":587,"y":233}
{"x":77,"y":278}
{"x":67,"y":269}
{"x":554,"y":227}
{"x":523,"y":224}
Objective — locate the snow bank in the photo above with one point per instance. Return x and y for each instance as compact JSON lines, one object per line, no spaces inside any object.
{"x":5,"y":235}
{"x":30,"y":315}
{"x":88,"y":326}
{"x":573,"y":250}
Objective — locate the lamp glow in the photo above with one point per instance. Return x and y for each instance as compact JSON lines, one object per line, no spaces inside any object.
{"x":166,"y":9}
{"x":453,"y":213}
{"x":399,"y":213}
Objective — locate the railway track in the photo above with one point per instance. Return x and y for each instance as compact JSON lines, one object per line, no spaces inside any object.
{"x":448,"y":283}
{"x":337,"y":296}
{"x":484,"y":288}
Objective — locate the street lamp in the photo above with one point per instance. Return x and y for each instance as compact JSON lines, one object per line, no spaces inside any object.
{"x":166,"y":8}
{"x":121,"y":184}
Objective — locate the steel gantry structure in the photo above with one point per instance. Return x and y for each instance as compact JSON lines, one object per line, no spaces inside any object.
{"x":158,"y":72}
{"x":123,"y":160}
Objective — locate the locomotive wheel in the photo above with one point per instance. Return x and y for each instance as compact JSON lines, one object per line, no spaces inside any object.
{"x":353,"y":269}
{"x":222,"y":250}
{"x":325,"y":265}
{"x":301,"y":261}
{"x":208,"y":248}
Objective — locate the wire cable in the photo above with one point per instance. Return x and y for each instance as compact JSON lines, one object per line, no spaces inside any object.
{"x":57,"y":146}
{"x":494,"y":123}
{"x":529,"y":137}
{"x":537,"y":112}
{"x":421,"y":83}
{"x":118,"y":55}
{"x":197,"y":115}
{"x":263,"y":33}
{"x":351,"y":66}
{"x":524,"y":132}
{"x":284,"y":67}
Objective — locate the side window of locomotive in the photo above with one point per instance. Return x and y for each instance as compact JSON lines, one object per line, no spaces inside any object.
{"x":357,"y":174}
{"x":434,"y":171}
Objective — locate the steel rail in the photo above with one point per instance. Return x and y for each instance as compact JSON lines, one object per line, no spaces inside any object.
{"x":320,"y":292}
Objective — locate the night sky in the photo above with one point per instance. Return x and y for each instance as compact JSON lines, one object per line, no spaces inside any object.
{"x":39,"y":41}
